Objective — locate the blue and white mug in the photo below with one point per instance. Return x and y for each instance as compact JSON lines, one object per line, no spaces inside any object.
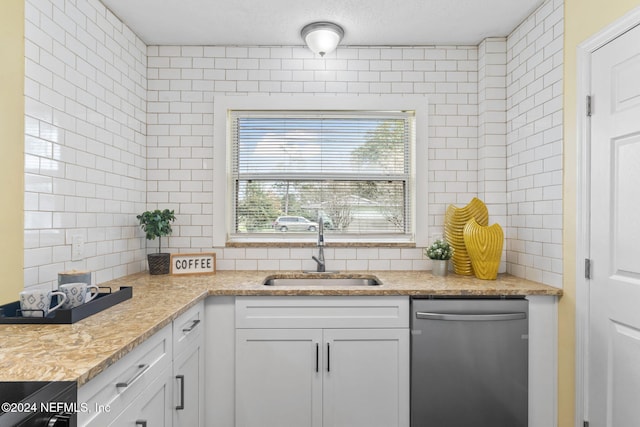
{"x":37,"y":302}
{"x":78,"y":293}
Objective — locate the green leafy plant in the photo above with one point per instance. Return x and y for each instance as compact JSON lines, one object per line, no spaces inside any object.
{"x":156,"y":224}
{"x":440,"y":249}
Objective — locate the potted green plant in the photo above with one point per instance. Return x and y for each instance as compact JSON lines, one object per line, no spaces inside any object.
{"x":157,"y":223}
{"x":440,"y":252}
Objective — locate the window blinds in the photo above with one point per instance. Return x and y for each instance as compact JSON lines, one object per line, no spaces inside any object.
{"x":351,"y":168}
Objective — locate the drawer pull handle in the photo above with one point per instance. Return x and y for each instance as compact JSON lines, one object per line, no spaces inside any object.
{"x":328,"y":357}
{"x":141,"y":370}
{"x":141,"y":423}
{"x":192,"y":327}
{"x":181,"y":405}
{"x":462,"y":317}
{"x":317,"y":357}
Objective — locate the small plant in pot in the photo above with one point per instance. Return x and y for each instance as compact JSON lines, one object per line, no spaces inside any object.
{"x":157,"y":224}
{"x":440,"y":252}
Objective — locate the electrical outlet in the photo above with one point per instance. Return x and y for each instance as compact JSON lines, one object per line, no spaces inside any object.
{"x":77,"y":248}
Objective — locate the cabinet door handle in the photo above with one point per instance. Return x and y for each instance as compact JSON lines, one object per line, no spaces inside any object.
{"x":141,"y":370}
{"x":192,"y":327}
{"x":141,"y":423}
{"x":181,"y":405}
{"x":317,"y":357}
{"x":328,"y":357}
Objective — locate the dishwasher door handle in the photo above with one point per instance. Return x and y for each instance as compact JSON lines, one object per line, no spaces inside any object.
{"x":491,"y":317}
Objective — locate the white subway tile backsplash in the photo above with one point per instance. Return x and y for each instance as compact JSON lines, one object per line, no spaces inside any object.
{"x":290,"y":264}
{"x":359,"y":264}
{"x":78,"y":92}
{"x":294,"y":70}
{"x":134,"y":124}
{"x":249,"y":264}
{"x":38,"y":256}
{"x":533,"y":136}
{"x":400,"y":265}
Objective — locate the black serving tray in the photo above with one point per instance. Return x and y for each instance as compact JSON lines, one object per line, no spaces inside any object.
{"x":10,"y":313}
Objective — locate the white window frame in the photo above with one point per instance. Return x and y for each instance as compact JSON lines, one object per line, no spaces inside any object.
{"x":222,"y":156}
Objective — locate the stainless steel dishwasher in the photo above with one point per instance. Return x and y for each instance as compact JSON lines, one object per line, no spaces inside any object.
{"x":469,"y":362}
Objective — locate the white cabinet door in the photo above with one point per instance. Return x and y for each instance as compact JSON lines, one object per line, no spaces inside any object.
{"x":366,"y":378}
{"x":278,"y":378}
{"x":152,"y":408}
{"x":331,"y":377}
{"x":188,"y":369}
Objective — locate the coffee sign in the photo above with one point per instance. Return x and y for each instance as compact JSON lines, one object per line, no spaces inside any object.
{"x":200,"y":263}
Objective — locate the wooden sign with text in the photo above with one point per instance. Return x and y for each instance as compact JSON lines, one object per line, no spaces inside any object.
{"x":200,"y":263}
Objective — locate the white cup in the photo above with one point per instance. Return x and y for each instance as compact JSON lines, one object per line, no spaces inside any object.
{"x":78,"y":293}
{"x":37,"y":302}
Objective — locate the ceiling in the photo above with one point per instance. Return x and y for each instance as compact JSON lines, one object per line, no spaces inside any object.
{"x":278,"y":22}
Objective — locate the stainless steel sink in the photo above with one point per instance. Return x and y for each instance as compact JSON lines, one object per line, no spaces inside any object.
{"x":322,"y":281}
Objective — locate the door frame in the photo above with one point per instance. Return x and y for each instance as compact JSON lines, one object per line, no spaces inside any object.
{"x":583,"y":158}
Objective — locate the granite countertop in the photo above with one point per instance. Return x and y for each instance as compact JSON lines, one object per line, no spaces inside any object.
{"x":80,"y":351}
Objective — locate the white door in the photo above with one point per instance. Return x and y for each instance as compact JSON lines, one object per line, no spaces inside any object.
{"x":278,"y":378}
{"x":613,"y":357}
{"x":366,"y":379}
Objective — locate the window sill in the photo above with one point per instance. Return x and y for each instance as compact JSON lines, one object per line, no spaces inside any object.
{"x":294,"y":244}
{"x":310,"y":241}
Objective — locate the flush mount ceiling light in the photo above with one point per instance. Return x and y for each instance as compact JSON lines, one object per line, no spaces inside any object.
{"x":322,"y":37}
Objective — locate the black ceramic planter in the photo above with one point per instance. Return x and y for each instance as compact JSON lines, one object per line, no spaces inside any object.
{"x":159,"y":263}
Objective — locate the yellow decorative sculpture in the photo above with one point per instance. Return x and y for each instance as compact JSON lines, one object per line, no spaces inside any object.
{"x":484,"y":245}
{"x":454,"y":223}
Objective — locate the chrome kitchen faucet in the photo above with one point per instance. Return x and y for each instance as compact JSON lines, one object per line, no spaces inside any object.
{"x":320,"y":258}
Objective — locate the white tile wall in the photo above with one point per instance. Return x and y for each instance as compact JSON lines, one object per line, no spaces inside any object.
{"x":114,"y":127}
{"x":492,"y":129}
{"x":183,"y":81}
{"x":85,"y":106}
{"x":534,"y":145}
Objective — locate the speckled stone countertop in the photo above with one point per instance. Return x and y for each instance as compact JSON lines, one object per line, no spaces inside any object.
{"x":80,"y":351}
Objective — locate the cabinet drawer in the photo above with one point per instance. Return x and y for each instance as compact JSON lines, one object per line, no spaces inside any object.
{"x":322,"y":312}
{"x":187,"y":329}
{"x":152,"y":407}
{"x":113,"y":390}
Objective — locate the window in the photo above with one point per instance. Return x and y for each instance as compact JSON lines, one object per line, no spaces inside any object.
{"x":350,"y":168}
{"x":304,"y":156}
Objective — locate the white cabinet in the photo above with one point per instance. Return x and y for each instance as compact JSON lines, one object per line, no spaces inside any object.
{"x":157,"y":384}
{"x":278,"y":377}
{"x":312,"y":361}
{"x":366,"y":380}
{"x":188,"y":368}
